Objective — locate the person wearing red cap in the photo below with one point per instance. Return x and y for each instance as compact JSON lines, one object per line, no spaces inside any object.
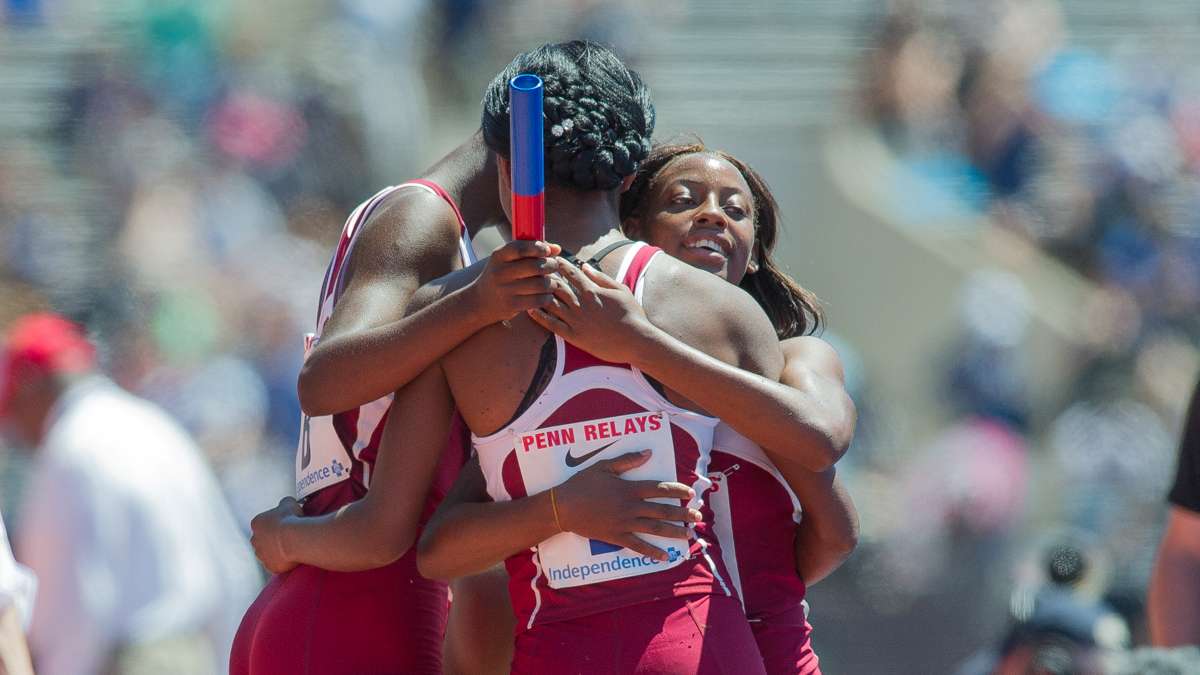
{"x":140,"y":562}
{"x":42,"y":350}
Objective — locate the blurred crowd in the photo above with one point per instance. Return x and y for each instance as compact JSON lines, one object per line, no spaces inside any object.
{"x":1092,"y":158}
{"x":183,"y":198}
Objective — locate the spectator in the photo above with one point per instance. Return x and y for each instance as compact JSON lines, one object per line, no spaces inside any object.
{"x":141,"y":566}
{"x":1057,"y":627}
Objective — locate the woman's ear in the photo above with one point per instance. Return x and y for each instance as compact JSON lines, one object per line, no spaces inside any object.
{"x":627,"y":181}
{"x":632,"y":228}
{"x":752,"y":266}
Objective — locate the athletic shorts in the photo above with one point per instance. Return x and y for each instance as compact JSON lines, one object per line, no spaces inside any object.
{"x":784,"y":640}
{"x":701,"y":634}
{"x":313,"y":621}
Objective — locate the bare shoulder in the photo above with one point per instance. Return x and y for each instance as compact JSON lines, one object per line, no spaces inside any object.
{"x":711,"y":314}
{"x":411,"y":237}
{"x":410,"y":231}
{"x":815,"y":354}
{"x":436,"y":289}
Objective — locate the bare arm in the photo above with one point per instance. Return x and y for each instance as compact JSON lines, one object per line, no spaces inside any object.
{"x":14,"y":653}
{"x":368,"y":347}
{"x":1173,"y":605}
{"x":811,"y":416}
{"x":380,"y":527}
{"x":828,"y":532}
{"x":469,"y":533}
{"x":811,"y":423}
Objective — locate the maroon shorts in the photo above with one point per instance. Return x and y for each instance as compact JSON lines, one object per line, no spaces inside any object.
{"x":701,"y":634}
{"x":784,"y":640}
{"x":309,"y":620}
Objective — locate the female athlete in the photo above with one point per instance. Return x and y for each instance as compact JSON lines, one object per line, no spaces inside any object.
{"x":388,"y":619}
{"x":711,"y":210}
{"x":810,"y":419}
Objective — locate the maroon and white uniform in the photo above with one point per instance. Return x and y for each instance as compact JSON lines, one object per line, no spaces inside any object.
{"x":756,"y":517}
{"x":336,"y":452}
{"x":386,"y":620}
{"x":569,"y":585}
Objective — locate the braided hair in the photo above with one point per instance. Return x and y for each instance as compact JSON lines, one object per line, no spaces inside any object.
{"x":792,"y":309}
{"x":597,"y":116}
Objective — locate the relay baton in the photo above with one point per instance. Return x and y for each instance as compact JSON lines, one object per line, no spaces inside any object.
{"x":526,"y":153}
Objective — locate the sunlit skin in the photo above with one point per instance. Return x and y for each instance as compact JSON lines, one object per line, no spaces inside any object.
{"x":702,"y":212}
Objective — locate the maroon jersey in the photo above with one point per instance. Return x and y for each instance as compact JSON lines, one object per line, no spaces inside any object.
{"x":756,"y":517}
{"x":592,"y":410}
{"x":337,"y":452}
{"x":386,"y":620}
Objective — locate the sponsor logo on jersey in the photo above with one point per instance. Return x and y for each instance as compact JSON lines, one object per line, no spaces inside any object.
{"x":616,"y":563}
{"x":598,"y":547}
{"x":334,"y":470}
{"x":582,"y":572}
{"x":591,"y":431}
{"x":573,"y":461}
{"x":601,"y":547}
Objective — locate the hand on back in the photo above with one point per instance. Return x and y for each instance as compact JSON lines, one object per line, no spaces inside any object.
{"x":598,"y":504}
{"x":267,"y":537}
{"x":595,"y":313}
{"x":517,"y":277}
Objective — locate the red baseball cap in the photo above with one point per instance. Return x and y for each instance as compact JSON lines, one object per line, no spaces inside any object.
{"x":40,"y":344}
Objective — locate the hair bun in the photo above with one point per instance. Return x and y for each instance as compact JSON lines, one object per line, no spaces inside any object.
{"x":597,"y":114}
{"x":585,"y":153}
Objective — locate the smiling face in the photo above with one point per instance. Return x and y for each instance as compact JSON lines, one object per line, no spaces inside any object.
{"x":700,"y":210}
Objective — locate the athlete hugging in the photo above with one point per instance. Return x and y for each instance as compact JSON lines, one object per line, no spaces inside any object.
{"x":634,"y":437}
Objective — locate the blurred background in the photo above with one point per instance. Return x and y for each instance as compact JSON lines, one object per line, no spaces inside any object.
{"x":997,"y":200}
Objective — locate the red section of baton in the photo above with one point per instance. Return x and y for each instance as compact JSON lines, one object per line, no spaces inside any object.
{"x":529,"y":216}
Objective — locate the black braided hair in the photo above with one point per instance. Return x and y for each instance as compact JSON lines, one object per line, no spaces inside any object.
{"x":597,"y":114}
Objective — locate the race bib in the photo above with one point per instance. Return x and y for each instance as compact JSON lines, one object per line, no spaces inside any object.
{"x":321,"y":460}
{"x":548,"y":457}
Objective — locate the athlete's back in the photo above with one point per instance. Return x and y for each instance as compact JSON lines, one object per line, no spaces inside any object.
{"x":491,"y":373}
{"x":599,"y":121}
{"x":499,"y":380}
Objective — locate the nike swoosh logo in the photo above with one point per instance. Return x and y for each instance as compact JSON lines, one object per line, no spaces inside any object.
{"x":573,"y":461}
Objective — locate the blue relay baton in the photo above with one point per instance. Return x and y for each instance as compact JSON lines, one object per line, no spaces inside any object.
{"x":528,"y":157}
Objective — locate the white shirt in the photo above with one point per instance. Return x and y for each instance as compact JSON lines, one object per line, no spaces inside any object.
{"x":129,"y":535}
{"x":18,"y":585}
